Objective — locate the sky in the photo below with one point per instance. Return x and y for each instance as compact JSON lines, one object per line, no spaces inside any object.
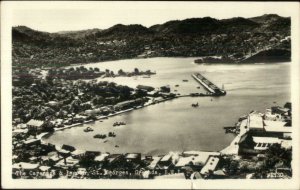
{"x":56,"y":16}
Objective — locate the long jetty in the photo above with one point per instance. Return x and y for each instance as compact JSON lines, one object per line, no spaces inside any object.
{"x":209,"y":86}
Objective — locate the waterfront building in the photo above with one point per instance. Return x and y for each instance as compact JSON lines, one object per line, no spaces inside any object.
{"x":128,"y":104}
{"x":263,"y":143}
{"x":68,"y":148}
{"x":165,"y":89}
{"x":35,"y":125}
{"x":144,"y":87}
{"x":255,"y":123}
{"x":78,"y":153}
{"x":279,"y":131}
{"x":279,"y":110}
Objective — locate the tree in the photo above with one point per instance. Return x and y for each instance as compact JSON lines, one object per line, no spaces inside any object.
{"x":121,"y":72}
{"x":112,"y":73}
{"x":276,"y":154}
{"x":49,"y":79}
{"x":136,"y":71}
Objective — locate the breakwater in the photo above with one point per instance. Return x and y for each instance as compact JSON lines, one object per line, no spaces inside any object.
{"x":209,"y":86}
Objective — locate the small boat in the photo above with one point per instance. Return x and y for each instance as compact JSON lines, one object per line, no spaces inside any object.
{"x":99,"y":136}
{"x":111,"y":134}
{"x":195,"y":105}
{"x":88,"y":129}
{"x":119,"y":123}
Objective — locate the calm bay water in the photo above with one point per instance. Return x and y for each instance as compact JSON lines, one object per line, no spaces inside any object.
{"x":174,"y":125}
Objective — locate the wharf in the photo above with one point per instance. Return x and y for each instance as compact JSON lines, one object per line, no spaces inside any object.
{"x":208,"y":85}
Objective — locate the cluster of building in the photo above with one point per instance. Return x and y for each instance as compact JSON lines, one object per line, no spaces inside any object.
{"x":257,"y":132}
{"x":45,"y":105}
{"x":42,"y":160}
{"x":60,"y":102}
{"x":265,"y":129}
{"x":260,"y":137}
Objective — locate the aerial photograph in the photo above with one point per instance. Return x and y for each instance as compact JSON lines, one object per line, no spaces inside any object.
{"x":147,"y":92}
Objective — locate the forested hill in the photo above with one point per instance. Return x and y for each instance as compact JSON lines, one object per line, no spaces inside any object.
{"x":235,"y":37}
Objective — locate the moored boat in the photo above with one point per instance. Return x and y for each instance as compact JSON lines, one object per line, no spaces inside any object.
{"x":100,"y":136}
{"x":88,"y":129}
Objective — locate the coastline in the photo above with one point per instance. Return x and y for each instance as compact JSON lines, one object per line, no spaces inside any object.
{"x":48,"y":134}
{"x":40,"y":136}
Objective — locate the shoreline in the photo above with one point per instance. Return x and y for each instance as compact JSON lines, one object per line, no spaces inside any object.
{"x":135,"y":58}
{"x":42,"y":135}
{"x":194,"y":59}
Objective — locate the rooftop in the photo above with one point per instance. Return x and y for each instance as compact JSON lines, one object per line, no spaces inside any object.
{"x":36,"y":123}
{"x":101,"y":157}
{"x":278,"y":129}
{"x":210,"y":165}
{"x":274,"y":123}
{"x":132,"y":155}
{"x":31,"y":141}
{"x":184,"y":161}
{"x":166,"y":158}
{"x":25,"y":165}
{"x":200,"y":157}
{"x":270,"y":140}
{"x":154,"y":162}
{"x":255,"y":121}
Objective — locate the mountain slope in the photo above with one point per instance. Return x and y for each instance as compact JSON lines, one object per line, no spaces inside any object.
{"x":190,"y":37}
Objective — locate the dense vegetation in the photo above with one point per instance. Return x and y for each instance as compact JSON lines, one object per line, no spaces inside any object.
{"x":206,"y":36}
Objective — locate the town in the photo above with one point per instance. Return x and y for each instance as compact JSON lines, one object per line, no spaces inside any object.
{"x":46,"y":103}
{"x":262,"y":149}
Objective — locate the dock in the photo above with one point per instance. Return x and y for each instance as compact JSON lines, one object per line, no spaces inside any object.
{"x":208,"y":85}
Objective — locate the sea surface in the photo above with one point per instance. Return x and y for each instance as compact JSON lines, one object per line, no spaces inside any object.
{"x":175,"y":125}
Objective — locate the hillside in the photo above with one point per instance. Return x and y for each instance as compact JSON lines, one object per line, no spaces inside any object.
{"x":270,"y":56}
{"x":78,"y":34}
{"x":206,"y":36}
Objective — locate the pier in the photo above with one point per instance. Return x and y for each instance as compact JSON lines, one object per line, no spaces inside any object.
{"x":209,"y":86}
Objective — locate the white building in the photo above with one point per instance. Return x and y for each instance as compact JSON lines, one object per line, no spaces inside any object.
{"x":255,"y":122}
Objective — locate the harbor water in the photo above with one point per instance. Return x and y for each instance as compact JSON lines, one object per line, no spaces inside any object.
{"x":175,"y":125}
